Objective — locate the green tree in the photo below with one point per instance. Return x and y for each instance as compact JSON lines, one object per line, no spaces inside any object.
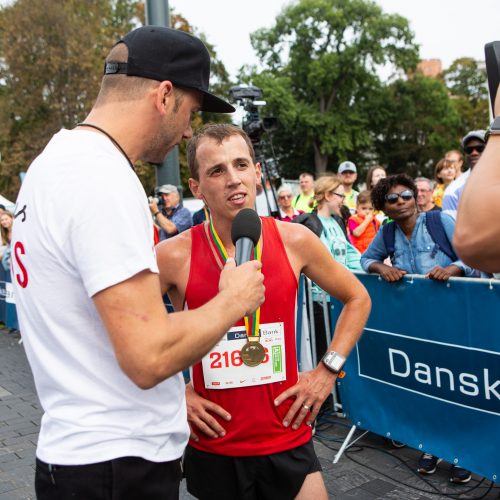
{"x":321,"y":62}
{"x":52,"y":55}
{"x":467,"y":83}
{"x":419,"y":123}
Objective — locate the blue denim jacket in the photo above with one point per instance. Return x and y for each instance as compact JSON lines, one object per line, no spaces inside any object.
{"x":417,"y":255}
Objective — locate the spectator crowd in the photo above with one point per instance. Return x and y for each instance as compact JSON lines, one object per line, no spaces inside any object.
{"x":380,"y":228}
{"x":395,"y":226}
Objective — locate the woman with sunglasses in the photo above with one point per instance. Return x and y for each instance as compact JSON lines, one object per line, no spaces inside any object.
{"x":415,"y":252}
{"x":286,"y":211}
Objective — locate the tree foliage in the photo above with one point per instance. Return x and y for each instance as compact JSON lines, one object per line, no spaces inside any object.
{"x":467,"y":83}
{"x":419,"y":125}
{"x":52,"y":57}
{"x":322,"y":58}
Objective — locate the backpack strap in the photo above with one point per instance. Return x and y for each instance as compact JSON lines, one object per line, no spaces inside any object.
{"x":389,"y":235}
{"x":438,"y":234}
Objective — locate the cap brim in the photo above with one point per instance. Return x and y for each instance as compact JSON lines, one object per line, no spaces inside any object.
{"x":215,"y":104}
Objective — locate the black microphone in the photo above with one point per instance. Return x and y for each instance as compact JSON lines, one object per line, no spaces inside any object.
{"x":245,"y":234}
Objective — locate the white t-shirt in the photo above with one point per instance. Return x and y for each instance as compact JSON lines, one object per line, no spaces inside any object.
{"x":261,"y":206}
{"x":87,"y":226}
{"x":453,"y":193}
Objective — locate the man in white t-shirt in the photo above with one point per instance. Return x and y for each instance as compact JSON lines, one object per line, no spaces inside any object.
{"x":105,"y":354}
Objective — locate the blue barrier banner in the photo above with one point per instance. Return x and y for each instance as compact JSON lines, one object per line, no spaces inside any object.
{"x":426,"y":371}
{"x":2,"y":294}
{"x":8,"y":313}
{"x":10,"y":304}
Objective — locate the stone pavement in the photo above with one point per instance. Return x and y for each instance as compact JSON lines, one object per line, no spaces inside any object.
{"x":372,"y":469}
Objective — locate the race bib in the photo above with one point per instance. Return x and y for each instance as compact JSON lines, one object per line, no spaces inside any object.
{"x":223,"y":367}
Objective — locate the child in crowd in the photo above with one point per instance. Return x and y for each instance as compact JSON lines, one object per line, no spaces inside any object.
{"x":363,"y":226}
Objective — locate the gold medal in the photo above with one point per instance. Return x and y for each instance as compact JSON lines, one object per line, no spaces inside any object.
{"x":253,"y":353}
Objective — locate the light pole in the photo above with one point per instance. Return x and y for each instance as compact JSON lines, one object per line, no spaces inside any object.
{"x":158,"y":14}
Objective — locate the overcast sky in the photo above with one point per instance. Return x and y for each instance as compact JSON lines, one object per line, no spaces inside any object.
{"x":445,"y":29}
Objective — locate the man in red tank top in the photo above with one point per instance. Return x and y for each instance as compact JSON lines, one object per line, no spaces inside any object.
{"x":251,"y":421}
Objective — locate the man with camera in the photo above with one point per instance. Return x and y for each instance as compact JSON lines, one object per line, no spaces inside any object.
{"x":251,"y":423}
{"x":104,"y":353}
{"x":168,"y":212}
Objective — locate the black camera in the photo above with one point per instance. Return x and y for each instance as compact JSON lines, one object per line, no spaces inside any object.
{"x":158,"y":198}
{"x":492,"y":58}
{"x":251,"y":99}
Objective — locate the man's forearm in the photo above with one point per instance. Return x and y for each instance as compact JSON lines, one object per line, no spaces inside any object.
{"x":350,"y":325}
{"x":478,"y":226}
{"x":152,"y":345}
{"x":376,"y":267}
{"x":184,"y":349}
{"x":166,"y":224}
{"x":361,"y":228}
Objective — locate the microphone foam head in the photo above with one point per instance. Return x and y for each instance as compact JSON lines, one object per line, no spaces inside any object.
{"x":246,"y":224}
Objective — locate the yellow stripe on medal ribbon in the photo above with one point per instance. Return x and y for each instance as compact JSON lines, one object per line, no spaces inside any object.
{"x":254,"y":330}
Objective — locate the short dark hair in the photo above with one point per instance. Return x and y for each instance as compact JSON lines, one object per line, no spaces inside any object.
{"x":384,"y":185}
{"x":218,"y":132}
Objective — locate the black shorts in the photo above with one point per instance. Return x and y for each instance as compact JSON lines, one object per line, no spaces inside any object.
{"x":275,"y":477}
{"x":126,"y":478}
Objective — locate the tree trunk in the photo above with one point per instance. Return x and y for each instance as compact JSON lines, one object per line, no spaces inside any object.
{"x":320,"y":161}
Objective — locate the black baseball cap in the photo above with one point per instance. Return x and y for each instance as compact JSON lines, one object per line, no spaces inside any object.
{"x":161,"y":53}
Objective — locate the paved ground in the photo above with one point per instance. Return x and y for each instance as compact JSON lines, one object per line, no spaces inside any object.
{"x":371,"y":470}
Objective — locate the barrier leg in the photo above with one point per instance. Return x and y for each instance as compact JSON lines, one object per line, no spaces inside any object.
{"x":346,"y":444}
{"x":337,"y":405}
{"x":312,"y":329}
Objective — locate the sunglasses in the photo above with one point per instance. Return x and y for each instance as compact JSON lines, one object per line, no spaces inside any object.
{"x":392,"y":198}
{"x":479,"y":148}
{"x":284,"y":196}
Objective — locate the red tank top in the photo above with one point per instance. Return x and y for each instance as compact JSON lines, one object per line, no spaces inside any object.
{"x":256,"y":426}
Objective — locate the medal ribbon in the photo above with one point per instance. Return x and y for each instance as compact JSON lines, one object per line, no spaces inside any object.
{"x":252,"y":322}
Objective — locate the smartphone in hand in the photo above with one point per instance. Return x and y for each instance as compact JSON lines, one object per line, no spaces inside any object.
{"x":492,"y":58}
